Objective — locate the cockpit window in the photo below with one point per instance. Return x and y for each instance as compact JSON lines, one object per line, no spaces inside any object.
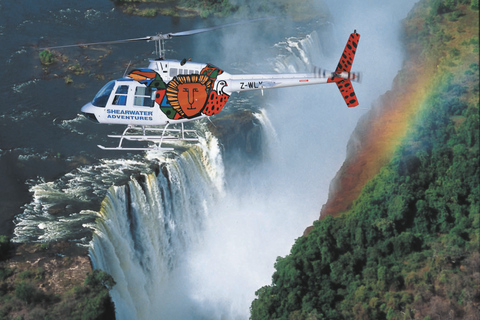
{"x":102,"y":96}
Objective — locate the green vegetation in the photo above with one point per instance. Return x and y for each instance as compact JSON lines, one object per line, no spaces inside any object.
{"x":76,"y":69}
{"x":176,"y":8}
{"x":46,"y":57}
{"x":56,"y":64}
{"x":68,"y":79}
{"x":4,"y":247}
{"x":64,"y":291}
{"x":409,"y":247}
{"x":209,"y":7}
{"x":88,"y":301}
{"x":300,"y":9}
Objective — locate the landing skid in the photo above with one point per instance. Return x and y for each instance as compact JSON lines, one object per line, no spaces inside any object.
{"x":158,"y":135}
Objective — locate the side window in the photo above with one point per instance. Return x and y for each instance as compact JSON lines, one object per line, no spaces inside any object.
{"x":121,"y":96}
{"x":144,"y":96}
{"x":173,"y":72}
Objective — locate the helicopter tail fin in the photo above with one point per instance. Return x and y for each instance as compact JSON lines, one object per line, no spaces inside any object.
{"x":346,"y":60}
{"x":342,"y":76}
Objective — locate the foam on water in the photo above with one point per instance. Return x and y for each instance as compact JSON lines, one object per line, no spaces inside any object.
{"x":62,"y":209}
{"x":20,"y":87}
{"x":71,"y":125}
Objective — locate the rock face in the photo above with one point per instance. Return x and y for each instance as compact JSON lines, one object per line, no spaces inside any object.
{"x":54,"y":279}
{"x":60,"y":266}
{"x":239,"y":134}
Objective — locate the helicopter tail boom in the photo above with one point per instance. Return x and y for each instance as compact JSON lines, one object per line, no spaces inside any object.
{"x":342,"y":77}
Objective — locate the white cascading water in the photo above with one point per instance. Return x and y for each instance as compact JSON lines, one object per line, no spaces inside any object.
{"x":145,"y":230}
{"x":63,"y":209}
{"x":298,"y":54}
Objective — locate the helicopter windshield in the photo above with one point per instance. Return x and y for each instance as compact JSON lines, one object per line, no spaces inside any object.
{"x":102,"y":96}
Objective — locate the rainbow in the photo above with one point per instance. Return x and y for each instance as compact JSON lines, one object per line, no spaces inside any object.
{"x":389,"y":121}
{"x":380,"y":133}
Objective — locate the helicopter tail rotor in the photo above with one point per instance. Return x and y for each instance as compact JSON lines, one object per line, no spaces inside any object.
{"x":343,"y":76}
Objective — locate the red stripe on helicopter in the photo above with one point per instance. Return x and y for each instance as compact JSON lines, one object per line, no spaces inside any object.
{"x":303,"y":80}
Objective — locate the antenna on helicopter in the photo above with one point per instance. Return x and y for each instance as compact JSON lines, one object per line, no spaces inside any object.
{"x":126,"y":69}
{"x":159,"y":38}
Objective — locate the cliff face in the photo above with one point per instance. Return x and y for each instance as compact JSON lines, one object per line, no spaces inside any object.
{"x":51,"y":281}
{"x":238,"y":133}
{"x":374,"y":140}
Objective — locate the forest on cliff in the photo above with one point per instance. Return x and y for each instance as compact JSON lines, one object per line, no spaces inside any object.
{"x":299,"y":9}
{"x":408,"y":248}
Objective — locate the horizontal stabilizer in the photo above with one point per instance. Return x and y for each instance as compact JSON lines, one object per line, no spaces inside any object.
{"x":346,"y":89}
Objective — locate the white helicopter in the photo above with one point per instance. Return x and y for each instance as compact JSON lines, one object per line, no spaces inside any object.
{"x":153,"y":100}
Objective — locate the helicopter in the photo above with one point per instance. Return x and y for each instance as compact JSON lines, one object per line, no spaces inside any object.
{"x":155,"y":102}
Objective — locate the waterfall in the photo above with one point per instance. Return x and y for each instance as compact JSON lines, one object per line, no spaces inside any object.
{"x":63,"y":209}
{"x":146,"y":228}
{"x":297,"y":54}
{"x":195,"y":241}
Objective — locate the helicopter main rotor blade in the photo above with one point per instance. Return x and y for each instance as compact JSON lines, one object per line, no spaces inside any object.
{"x":195,"y":31}
{"x":99,"y":43}
{"x":157,"y":37}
